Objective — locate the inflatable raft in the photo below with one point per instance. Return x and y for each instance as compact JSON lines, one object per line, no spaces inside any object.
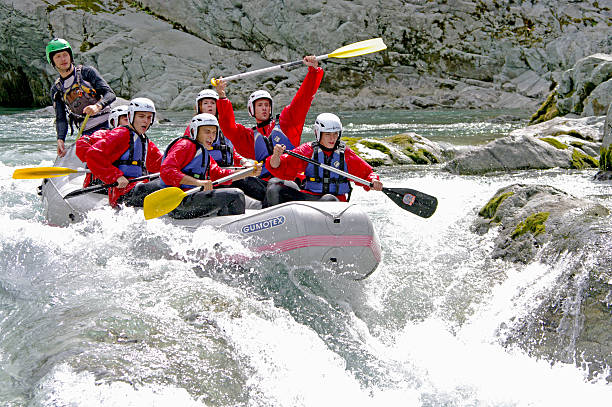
{"x":338,"y":235}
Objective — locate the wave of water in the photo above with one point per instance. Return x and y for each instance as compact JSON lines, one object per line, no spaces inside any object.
{"x":120,"y":311}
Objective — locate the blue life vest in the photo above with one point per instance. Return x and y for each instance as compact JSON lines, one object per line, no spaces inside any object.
{"x":222,"y":151}
{"x":199,"y":165}
{"x":322,"y":181}
{"x":264,"y":146}
{"x":133,"y":161}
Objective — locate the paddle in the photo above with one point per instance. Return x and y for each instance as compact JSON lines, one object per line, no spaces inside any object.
{"x":348,"y":51}
{"x":166,"y":200}
{"x":413,"y":201}
{"x":50,"y":172}
{"x":45,"y":172}
{"x":95,"y":188}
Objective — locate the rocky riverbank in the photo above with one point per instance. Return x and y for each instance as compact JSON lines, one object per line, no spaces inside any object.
{"x":460,"y":54}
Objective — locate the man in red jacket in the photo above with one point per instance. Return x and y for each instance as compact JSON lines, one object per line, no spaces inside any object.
{"x":257,"y":143}
{"x":320,"y":184}
{"x":188,"y":164}
{"x":126,"y":152}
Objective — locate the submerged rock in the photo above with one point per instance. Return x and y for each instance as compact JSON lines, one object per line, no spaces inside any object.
{"x":541,"y":223}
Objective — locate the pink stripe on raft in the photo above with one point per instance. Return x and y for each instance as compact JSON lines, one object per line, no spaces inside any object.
{"x":323,"y":240}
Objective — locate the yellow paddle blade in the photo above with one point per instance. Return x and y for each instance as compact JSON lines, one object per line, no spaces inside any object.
{"x":163,"y":201}
{"x":359,"y":48}
{"x":42,"y":172}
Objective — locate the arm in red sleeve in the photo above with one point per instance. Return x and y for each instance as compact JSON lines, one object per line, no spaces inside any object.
{"x":359,"y":168}
{"x":293,"y":116}
{"x":240,"y":136}
{"x":181,"y":154}
{"x":105,"y":152}
{"x":237,"y":159}
{"x":217,"y":172}
{"x":291,"y":166}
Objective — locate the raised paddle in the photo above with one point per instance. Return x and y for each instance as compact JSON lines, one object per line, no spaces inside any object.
{"x":413,"y":201}
{"x":45,"y":172}
{"x":167,"y":199}
{"x":95,"y":188}
{"x":348,"y":51}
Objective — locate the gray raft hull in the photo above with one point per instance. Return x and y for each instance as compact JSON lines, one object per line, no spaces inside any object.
{"x":337,"y":235}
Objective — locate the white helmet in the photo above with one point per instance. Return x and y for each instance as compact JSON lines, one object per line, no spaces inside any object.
{"x":115,"y":113}
{"x":202,"y":119}
{"x":205,"y":94}
{"x":327,"y":122}
{"x":140,"y":105}
{"x":259,"y":94}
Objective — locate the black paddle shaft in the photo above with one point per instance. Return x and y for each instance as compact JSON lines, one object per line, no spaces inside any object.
{"x":95,"y":188}
{"x":413,"y":201}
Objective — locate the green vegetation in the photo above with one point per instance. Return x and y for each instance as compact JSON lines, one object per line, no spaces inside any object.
{"x":402,"y":140}
{"x":90,"y":6}
{"x":490,"y":209}
{"x":547,"y":111}
{"x":421,"y":156}
{"x":376,"y":146}
{"x":573,"y":133}
{"x":581,"y":160}
{"x":605,"y":158}
{"x":534,"y":224}
{"x":555,"y":143}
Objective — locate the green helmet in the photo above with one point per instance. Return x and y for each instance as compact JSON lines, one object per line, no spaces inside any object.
{"x":57,"y":45}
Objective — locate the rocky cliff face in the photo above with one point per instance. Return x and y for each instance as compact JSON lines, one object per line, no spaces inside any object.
{"x":440,"y":53}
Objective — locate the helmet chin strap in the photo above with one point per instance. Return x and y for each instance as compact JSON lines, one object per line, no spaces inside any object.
{"x":264,"y":123}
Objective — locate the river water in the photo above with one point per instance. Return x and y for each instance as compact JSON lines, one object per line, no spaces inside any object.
{"x":118,"y":311}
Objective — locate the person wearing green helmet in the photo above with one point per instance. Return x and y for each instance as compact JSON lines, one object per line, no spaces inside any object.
{"x":79,"y":91}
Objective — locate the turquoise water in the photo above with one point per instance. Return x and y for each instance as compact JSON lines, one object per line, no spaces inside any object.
{"x":119,"y":311}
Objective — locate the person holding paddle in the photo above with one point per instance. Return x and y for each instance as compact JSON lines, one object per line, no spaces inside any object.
{"x":188,"y":164}
{"x":257,"y":143}
{"x":127,"y":153}
{"x":223,"y":152}
{"x":79,"y":92}
{"x":320,"y":183}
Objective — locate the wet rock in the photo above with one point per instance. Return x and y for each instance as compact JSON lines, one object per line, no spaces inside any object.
{"x":605,"y":158}
{"x":562,"y":142}
{"x":585,"y":89}
{"x":405,"y":148}
{"x":544,"y":224}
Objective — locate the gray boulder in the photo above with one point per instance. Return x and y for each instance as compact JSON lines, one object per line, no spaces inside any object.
{"x":585,"y":89}
{"x":571,"y":322}
{"x":605,"y":157}
{"x":563,"y":143}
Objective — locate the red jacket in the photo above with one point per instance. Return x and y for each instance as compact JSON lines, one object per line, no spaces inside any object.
{"x":290,"y":166}
{"x":291,"y":118}
{"x":181,"y":154}
{"x":237,"y":157}
{"x":82,"y":147}
{"x":105,"y":152}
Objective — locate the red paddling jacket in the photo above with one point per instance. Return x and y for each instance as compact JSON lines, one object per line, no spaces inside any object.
{"x":108,"y":155}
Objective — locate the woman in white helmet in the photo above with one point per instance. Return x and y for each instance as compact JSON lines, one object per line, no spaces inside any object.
{"x":126,"y":152}
{"x":320,"y":184}
{"x":188,"y":164}
{"x":257,"y":143}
